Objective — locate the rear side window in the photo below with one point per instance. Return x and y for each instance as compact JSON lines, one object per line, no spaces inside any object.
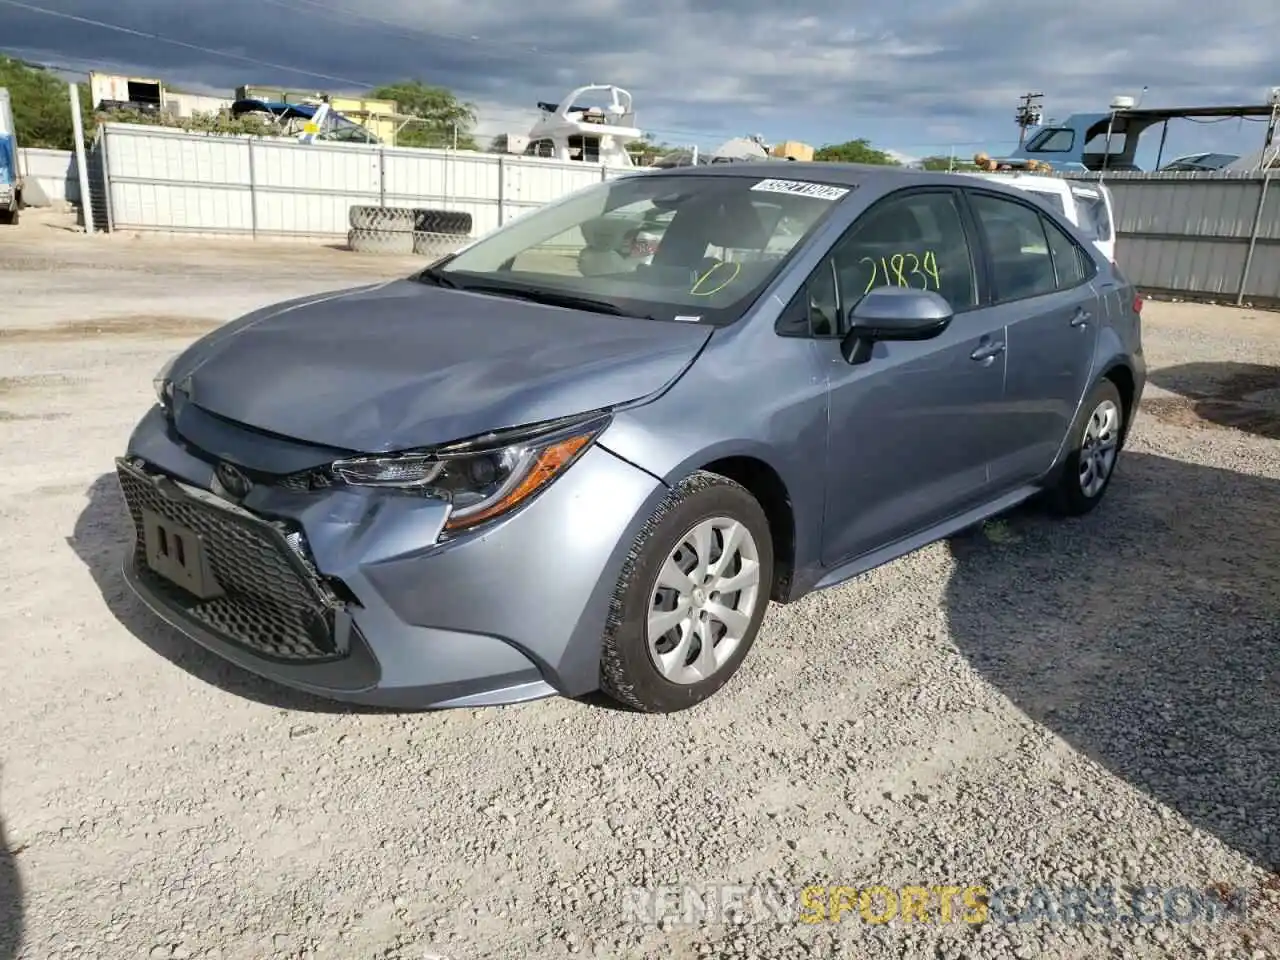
{"x":1020,"y":261}
{"x":1091,"y":210}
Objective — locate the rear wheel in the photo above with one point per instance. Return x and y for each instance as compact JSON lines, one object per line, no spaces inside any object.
{"x":1095,"y":447}
{"x":691,"y":597}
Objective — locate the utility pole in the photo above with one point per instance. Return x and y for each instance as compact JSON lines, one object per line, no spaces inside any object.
{"x":1030,"y":112}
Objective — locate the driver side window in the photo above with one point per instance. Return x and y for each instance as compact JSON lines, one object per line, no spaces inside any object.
{"x":911,"y":240}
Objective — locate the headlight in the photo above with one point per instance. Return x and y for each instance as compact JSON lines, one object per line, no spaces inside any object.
{"x":161,"y":383}
{"x":485,"y":478}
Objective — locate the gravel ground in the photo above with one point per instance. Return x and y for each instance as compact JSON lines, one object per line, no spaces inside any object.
{"x":1043,"y":704}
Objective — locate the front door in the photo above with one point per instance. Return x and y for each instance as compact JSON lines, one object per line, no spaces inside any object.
{"x":1040,"y":285}
{"x":908,"y":435}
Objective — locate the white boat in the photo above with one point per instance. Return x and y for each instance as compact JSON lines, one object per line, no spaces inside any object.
{"x":577,"y":130}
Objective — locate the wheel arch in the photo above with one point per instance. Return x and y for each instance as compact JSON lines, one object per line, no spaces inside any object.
{"x":766,"y":485}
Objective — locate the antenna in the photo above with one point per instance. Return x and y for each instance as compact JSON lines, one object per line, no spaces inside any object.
{"x":1030,"y":113}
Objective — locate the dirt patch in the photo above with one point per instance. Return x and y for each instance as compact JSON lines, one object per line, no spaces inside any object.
{"x":132,"y":325}
{"x":1244,"y":400}
{"x":7,"y":416}
{"x":11,"y":385}
{"x":1216,"y":414}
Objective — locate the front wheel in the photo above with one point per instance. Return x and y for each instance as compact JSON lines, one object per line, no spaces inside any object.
{"x":1095,"y":446}
{"x":691,"y":597}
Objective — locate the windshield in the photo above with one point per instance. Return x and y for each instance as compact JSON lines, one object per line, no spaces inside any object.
{"x":668,"y":247}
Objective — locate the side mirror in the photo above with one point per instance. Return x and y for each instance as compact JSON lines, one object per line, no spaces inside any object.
{"x":893,"y":313}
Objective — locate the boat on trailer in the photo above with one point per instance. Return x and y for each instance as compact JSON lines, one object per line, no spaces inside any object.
{"x":1109,"y":141}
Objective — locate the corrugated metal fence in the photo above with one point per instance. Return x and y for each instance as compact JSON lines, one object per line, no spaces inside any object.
{"x":1207,"y":235}
{"x":155,"y":178}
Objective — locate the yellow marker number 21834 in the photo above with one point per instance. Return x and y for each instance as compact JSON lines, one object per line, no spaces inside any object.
{"x":904,"y":270}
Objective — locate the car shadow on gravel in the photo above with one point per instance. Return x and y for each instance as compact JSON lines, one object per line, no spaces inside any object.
{"x":1146,"y":635}
{"x":1243,"y":396}
{"x":103,"y":533}
{"x":11,"y":904}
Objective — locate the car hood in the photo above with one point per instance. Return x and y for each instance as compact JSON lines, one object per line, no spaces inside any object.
{"x":404,"y":364}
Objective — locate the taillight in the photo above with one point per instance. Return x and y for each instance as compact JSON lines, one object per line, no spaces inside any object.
{"x":1137,"y":303}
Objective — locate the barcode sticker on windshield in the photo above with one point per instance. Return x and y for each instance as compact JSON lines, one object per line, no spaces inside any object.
{"x":819,"y":191}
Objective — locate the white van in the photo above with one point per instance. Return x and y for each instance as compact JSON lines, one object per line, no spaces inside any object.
{"x":1085,"y":203}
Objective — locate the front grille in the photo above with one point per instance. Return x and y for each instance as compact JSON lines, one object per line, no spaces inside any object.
{"x":270,"y":603}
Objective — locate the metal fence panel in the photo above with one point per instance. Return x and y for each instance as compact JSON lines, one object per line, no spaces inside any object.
{"x":170,"y":180}
{"x":1191,"y":233}
{"x":54,"y":172}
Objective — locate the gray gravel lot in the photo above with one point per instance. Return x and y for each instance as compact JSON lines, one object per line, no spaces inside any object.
{"x":1041,"y":704}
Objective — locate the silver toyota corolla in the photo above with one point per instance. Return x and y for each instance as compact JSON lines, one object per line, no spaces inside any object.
{"x":543,"y":466}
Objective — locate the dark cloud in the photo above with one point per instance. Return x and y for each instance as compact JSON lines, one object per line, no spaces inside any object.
{"x":905,"y":73}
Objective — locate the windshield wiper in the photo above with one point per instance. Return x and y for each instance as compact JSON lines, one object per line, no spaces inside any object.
{"x":548,"y":297}
{"x":436,"y":276}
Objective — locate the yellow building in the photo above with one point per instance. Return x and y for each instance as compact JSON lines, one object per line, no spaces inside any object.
{"x":793,"y":150}
{"x":376,"y":116}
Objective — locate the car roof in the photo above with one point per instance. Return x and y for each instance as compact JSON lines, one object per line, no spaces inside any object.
{"x":836,"y":174}
{"x":1029,"y":181}
{"x":857,"y":175}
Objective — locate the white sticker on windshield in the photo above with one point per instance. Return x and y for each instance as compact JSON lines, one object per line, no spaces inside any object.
{"x":819,"y":191}
{"x":684,"y":318}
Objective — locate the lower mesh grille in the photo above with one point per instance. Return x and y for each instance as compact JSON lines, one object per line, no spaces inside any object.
{"x":269,"y":602}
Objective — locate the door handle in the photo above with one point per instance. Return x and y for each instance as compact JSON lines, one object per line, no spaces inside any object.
{"x":988,"y":351}
{"x":1081,"y":319}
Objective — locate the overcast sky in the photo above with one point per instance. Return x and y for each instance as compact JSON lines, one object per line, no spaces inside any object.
{"x":917,"y":76}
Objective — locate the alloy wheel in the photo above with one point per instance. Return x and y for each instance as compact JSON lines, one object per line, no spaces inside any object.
{"x":1098,"y":448}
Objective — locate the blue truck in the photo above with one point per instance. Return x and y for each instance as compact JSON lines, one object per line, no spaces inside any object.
{"x":10,"y":184}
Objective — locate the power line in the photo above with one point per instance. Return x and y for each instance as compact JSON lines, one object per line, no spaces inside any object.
{"x":211,"y":51}
{"x":503,"y":48}
{"x":1030,"y":112}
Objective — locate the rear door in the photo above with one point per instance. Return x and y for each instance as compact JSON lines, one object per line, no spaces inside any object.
{"x":1041,"y":293}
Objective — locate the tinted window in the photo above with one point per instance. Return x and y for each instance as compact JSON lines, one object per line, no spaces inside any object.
{"x":916,"y":240}
{"x":1020,"y":262}
{"x":1068,"y":258}
{"x":1059,"y":140}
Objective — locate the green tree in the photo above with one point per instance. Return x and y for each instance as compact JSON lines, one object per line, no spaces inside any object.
{"x":207,"y":122}
{"x":443,"y":119}
{"x":854,"y":151}
{"x":41,"y":106}
{"x":947,"y":163}
{"x":648,"y":149}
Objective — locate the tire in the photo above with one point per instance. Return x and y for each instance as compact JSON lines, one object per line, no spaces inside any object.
{"x":449,"y":222}
{"x":435,"y":245}
{"x":1071,"y":495}
{"x":378,"y":241}
{"x":629,"y":672}
{"x":9,"y":217}
{"x":382,"y":219}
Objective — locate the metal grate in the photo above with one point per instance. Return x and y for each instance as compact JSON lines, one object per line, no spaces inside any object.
{"x":269,"y":604}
